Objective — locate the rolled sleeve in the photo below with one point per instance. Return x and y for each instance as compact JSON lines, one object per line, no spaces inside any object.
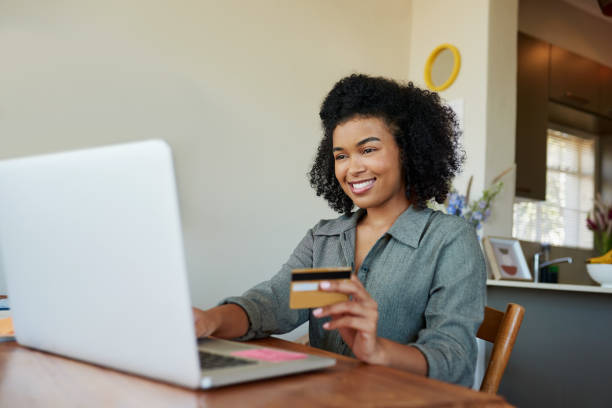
{"x":267,"y":304}
{"x":455,"y":309}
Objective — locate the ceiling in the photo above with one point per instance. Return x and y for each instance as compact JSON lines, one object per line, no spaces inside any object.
{"x":591,"y":7}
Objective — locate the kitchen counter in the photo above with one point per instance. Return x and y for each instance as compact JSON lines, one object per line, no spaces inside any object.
{"x":562,"y":353}
{"x":548,"y":286}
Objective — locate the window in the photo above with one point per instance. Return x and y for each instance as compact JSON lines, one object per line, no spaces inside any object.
{"x":570,"y":185}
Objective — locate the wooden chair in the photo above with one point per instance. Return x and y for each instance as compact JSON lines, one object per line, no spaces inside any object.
{"x":500,"y":329}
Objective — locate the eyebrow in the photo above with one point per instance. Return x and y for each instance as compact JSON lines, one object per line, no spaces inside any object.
{"x":362,"y":142}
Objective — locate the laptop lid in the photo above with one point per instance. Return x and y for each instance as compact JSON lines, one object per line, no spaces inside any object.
{"x":91,"y":246}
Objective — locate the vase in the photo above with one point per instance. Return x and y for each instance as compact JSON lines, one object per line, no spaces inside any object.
{"x":603,"y":242}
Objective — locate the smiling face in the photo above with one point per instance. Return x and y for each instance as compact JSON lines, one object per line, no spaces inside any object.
{"x":367,"y":164}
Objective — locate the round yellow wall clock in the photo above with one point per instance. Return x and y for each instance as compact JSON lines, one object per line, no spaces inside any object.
{"x":441,"y":67}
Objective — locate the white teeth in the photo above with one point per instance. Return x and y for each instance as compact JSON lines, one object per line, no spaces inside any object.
{"x":363,"y":185}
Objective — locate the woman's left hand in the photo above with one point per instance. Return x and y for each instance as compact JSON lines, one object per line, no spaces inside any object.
{"x":356,"y":319}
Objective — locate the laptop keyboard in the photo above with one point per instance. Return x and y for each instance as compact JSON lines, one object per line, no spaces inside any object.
{"x":211,"y":360}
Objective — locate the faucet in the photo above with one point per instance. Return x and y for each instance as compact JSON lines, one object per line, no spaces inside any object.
{"x":537,"y":266}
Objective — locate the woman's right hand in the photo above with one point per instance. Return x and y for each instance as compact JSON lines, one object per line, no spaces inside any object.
{"x":205,"y":324}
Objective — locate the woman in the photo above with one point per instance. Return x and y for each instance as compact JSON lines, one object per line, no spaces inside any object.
{"x":418,"y":288}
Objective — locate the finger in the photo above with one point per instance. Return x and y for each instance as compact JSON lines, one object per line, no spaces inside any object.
{"x":358,"y":283}
{"x":355,"y":279}
{"x":348,"y":287}
{"x":203,"y":330}
{"x":351,"y":322}
{"x":196,"y":314}
{"x":368,"y":308}
{"x":201,"y":323}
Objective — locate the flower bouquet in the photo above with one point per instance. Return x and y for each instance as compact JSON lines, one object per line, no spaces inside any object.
{"x":599,"y":220}
{"x":475,"y":212}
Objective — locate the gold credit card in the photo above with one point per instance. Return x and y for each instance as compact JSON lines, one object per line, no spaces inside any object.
{"x":305,"y":293}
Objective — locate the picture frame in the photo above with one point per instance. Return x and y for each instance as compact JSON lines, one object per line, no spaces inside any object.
{"x":506,"y":259}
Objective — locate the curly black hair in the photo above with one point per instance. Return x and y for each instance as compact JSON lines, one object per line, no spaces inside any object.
{"x":426,"y":132}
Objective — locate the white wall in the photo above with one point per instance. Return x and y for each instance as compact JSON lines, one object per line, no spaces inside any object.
{"x":233,"y":86}
{"x":484,"y":31}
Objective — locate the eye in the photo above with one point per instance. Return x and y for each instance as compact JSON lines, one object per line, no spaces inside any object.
{"x":340,"y":157}
{"x":368,"y":150}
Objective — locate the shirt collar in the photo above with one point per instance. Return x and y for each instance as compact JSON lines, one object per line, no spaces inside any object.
{"x":408,"y":228}
{"x":341,"y":225}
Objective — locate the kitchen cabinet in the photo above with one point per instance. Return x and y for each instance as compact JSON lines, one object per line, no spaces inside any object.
{"x":531,"y":117}
{"x":574,"y":80}
{"x":558,"y":86}
{"x":605,"y":89}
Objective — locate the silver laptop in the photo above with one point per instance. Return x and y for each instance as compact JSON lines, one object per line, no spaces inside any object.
{"x":91,"y":246}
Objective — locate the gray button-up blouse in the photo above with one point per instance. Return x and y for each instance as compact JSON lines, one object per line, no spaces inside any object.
{"x":427,"y":274}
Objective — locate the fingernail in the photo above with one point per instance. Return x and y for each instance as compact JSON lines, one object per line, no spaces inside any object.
{"x":317,"y":312}
{"x":325,"y":285}
{"x":326,"y":325}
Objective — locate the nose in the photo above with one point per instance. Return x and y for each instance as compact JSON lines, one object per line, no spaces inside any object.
{"x":356,"y":166}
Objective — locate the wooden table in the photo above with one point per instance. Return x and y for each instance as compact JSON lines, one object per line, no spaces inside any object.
{"x":30,"y":378}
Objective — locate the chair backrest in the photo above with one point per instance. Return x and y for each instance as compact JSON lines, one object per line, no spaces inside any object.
{"x":500,"y":329}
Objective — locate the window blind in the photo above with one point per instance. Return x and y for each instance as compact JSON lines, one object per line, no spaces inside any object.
{"x":570,"y":185}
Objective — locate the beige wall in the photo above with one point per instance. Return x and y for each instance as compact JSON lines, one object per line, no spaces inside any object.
{"x":233,"y":86}
{"x":501,"y":111}
{"x":434,"y":23}
{"x":484,"y":31}
{"x":567,"y":27}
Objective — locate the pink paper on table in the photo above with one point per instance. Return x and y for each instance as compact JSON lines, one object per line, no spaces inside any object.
{"x":274,"y":356}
